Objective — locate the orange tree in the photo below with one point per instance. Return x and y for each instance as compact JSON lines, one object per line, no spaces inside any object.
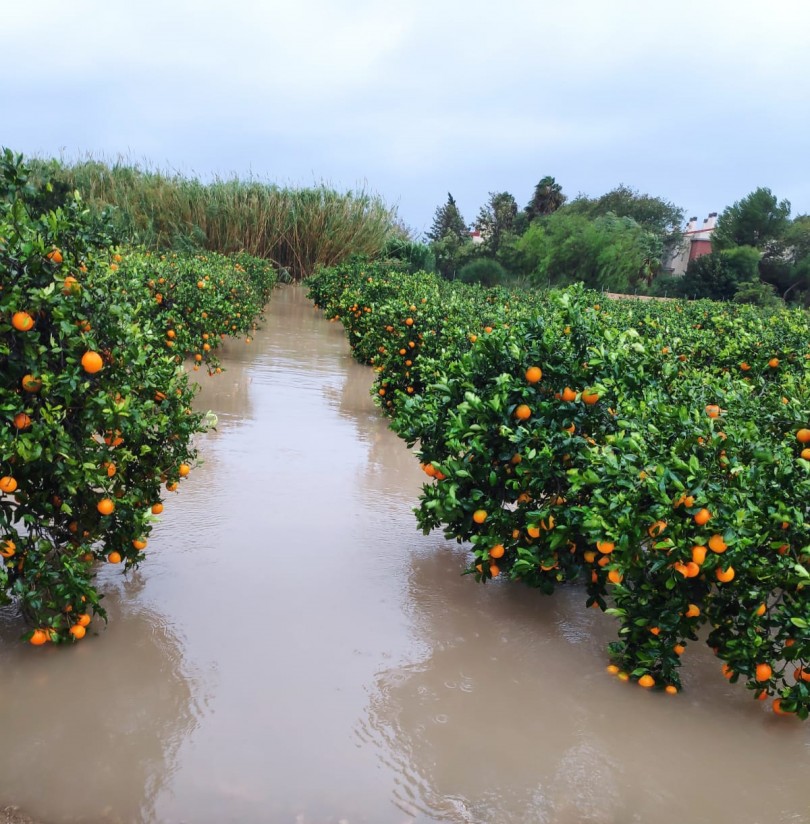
{"x":203,"y":299}
{"x":95,"y":415}
{"x":655,"y":451}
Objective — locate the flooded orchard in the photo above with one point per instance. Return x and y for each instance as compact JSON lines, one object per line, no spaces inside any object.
{"x":294,"y":650}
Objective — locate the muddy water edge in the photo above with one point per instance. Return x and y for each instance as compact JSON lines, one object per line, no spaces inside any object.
{"x":293,"y":650}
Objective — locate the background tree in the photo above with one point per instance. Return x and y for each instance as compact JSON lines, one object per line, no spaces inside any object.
{"x":653,"y":213}
{"x":447,"y":220}
{"x":547,"y":198}
{"x":720,"y":275}
{"x":450,"y":240}
{"x":605,"y":253}
{"x":755,"y":221}
{"x":496,"y":219}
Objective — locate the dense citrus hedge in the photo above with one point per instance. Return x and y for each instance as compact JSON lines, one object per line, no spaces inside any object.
{"x":657,"y":451}
{"x":95,"y":411}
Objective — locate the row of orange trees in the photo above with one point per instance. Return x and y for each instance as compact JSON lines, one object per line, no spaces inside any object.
{"x":658,"y":452}
{"x":96,"y":418}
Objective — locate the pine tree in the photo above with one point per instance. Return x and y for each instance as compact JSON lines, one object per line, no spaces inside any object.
{"x":447,"y":220}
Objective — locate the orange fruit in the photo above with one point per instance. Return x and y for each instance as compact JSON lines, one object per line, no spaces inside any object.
{"x":702,"y":517}
{"x":717,"y":544}
{"x":698,"y":554}
{"x":568,"y":395}
{"x":615,"y":577}
{"x":83,"y":620}
{"x":646,"y":681}
{"x":760,"y":610}
{"x":763,"y":672}
{"x":773,"y":363}
{"x":523,"y":412}
{"x":679,"y":649}
{"x":605,"y":547}
{"x":494,"y":570}
{"x":589,"y":397}
{"x":612,"y":669}
{"x":777,"y":707}
{"x":479,"y":516}
{"x":671,"y":689}
{"x":712,"y":410}
{"x":744,"y":366}
{"x":497,"y":551}
{"x":71,"y":286}
{"x":183,"y":470}
{"x":22,"y":321}
{"x":692,"y":570}
{"x":409,"y":321}
{"x":105,"y":506}
{"x":114,"y":557}
{"x":654,"y":530}
{"x":8,"y":548}
{"x":8,"y":484}
{"x":78,"y":631}
{"x":728,"y":672}
{"x":38,"y":637}
{"x":55,"y":256}
{"x":22,"y":421}
{"x":693,"y":611}
{"x":92,"y":362}
{"x":803,"y":436}
{"x":534,"y":374}
{"x":725,"y":575}
{"x":171,"y":486}
{"x":31,"y":384}
{"x":139,"y":544}
{"x":806,"y":454}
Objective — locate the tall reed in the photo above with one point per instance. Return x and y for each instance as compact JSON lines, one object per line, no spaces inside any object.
{"x":298,"y":229}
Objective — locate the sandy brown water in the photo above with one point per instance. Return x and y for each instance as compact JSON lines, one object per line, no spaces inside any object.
{"x":293,"y":650}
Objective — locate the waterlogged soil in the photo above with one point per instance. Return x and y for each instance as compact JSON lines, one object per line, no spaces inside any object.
{"x":293,"y":650}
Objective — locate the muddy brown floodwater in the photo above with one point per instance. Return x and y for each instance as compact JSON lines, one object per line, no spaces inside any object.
{"x":293,"y":650}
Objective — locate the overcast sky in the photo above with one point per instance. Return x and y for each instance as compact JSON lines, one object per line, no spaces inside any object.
{"x":696,"y":102}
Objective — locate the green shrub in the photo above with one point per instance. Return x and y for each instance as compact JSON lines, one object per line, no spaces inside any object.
{"x":485,"y":271}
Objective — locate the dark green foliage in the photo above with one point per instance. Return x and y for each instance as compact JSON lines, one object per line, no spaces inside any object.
{"x":605,"y":253}
{"x":755,"y":220}
{"x":485,"y":271}
{"x":496,"y":220}
{"x":653,"y":213}
{"x":547,"y":198}
{"x":448,"y":221}
{"x":413,"y":256}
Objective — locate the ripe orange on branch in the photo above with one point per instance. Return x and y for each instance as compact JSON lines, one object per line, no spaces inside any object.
{"x":22,"y":321}
{"x":534,"y":374}
{"x":92,"y":362}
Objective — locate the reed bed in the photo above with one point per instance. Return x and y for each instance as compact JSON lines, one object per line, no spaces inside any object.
{"x":298,"y":229}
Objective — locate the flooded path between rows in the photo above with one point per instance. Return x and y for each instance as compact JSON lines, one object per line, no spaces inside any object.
{"x":293,"y":650}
